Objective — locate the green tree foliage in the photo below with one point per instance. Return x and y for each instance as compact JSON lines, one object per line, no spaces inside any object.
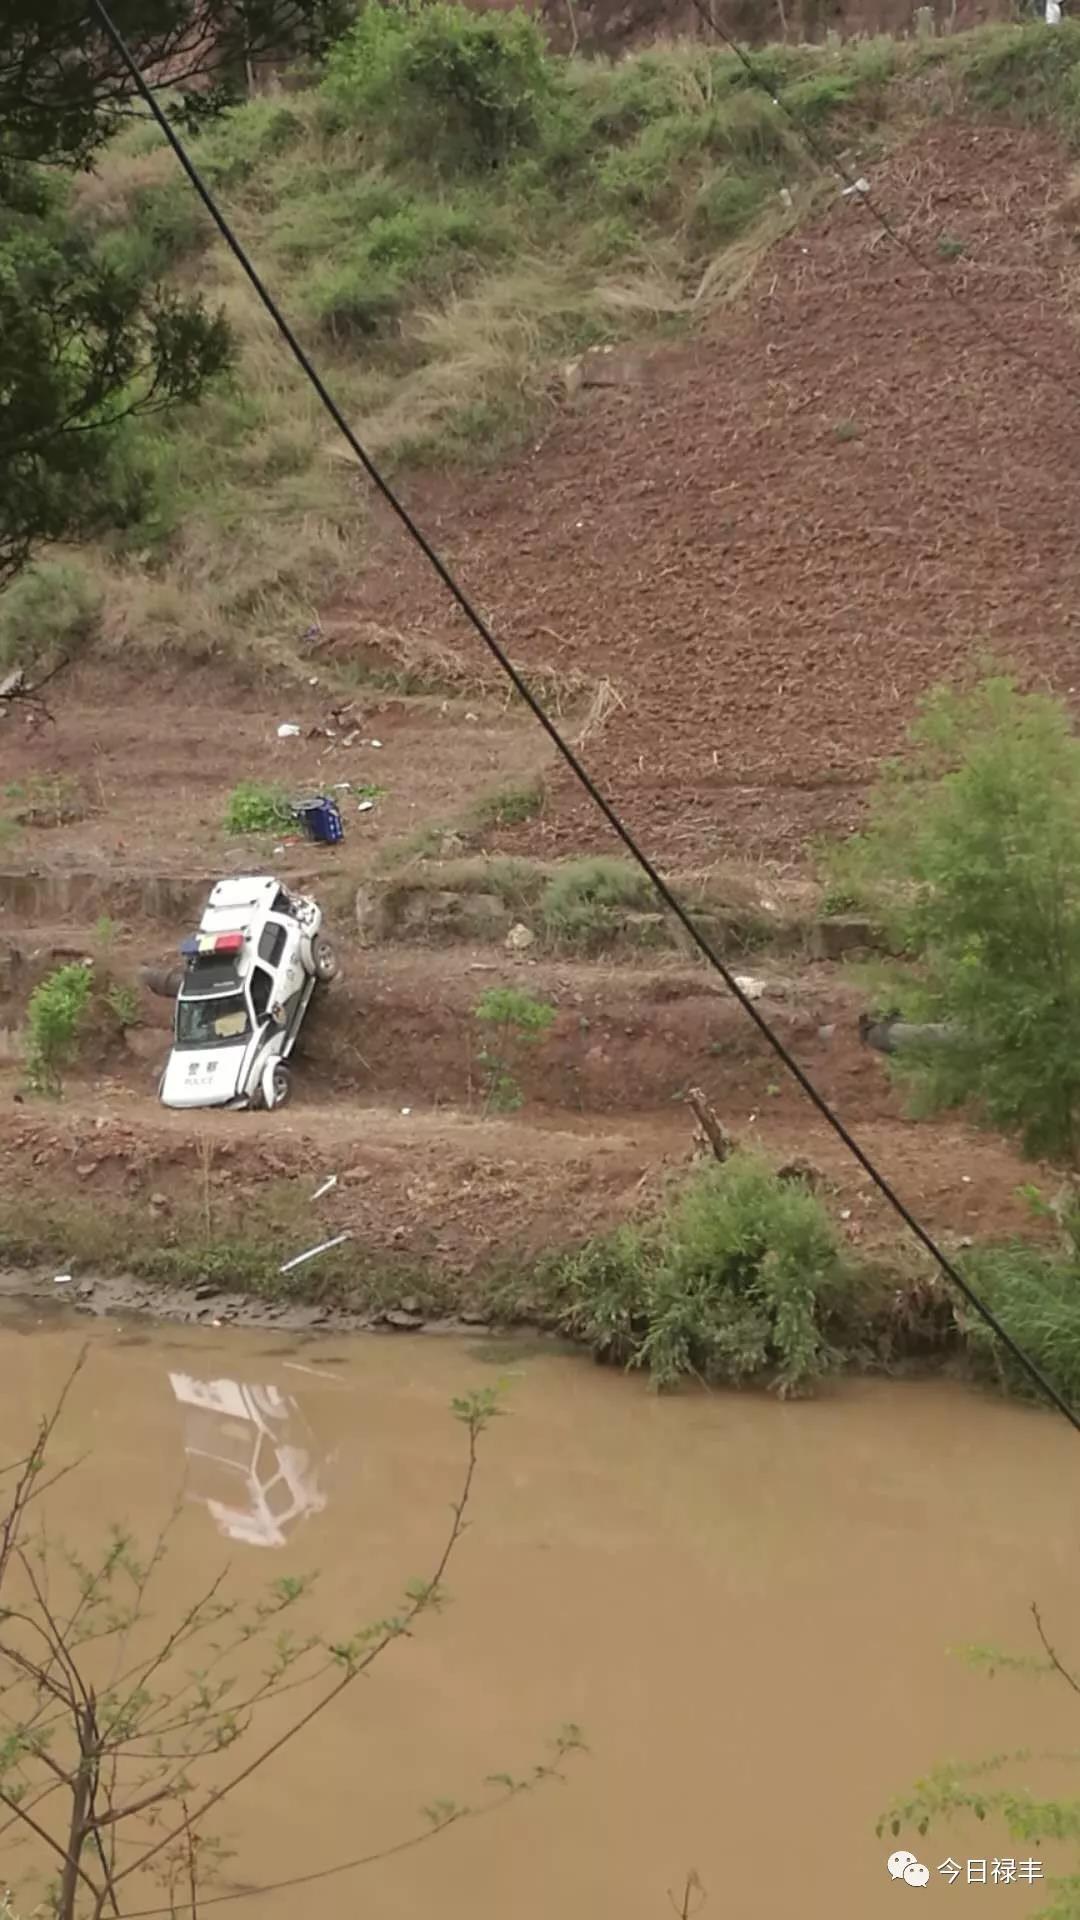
{"x":84,"y":347}
{"x":973,"y":856}
{"x":88,"y":343}
{"x":64,"y":89}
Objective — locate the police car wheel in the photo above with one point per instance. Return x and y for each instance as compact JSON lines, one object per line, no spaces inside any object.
{"x":323,"y":959}
{"x":280,"y":1085}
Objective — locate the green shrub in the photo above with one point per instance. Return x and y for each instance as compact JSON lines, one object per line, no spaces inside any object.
{"x":1025,"y":72}
{"x":973,"y":861}
{"x":515,"y":1020}
{"x":160,"y":225}
{"x":253,"y":807}
{"x":50,"y":608}
{"x":449,"y":87}
{"x":585,"y":901}
{"x":123,"y":1003}
{"x":736,"y":1278}
{"x":54,"y":1016}
{"x":727,"y":203}
{"x":246,"y":136}
{"x":374,"y":270}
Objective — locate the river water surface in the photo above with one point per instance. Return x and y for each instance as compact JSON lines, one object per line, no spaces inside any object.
{"x":747,"y":1606}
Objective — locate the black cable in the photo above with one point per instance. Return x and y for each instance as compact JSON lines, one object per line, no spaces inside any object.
{"x":671,"y":902}
{"x":827,"y":160}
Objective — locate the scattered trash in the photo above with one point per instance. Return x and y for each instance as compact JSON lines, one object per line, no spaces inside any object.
{"x":61,"y":1279}
{"x":406,"y":1109}
{"x":786,"y":200}
{"x":278,"y":850}
{"x":1053,"y":13}
{"x":860,"y":185}
{"x":287,"y":731}
{"x":325,"y":1188}
{"x":519,"y":937}
{"x":749,"y":984}
{"x":374,"y":743}
{"x":323,"y":1247}
{"x":314,"y":681}
{"x":845,"y":1213}
{"x":470,"y":716}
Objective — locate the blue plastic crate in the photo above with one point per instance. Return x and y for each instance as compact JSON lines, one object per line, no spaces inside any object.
{"x":321,"y":820}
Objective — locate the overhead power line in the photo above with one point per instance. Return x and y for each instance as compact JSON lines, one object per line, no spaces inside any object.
{"x":857,"y":189}
{"x":622,"y":832}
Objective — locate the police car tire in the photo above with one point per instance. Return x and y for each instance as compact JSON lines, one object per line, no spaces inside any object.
{"x":323,"y":959}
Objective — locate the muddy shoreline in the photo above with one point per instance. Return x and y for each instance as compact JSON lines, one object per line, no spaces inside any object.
{"x":109,"y":1296}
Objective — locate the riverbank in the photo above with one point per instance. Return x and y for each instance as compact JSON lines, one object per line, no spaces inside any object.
{"x":446,"y":1222}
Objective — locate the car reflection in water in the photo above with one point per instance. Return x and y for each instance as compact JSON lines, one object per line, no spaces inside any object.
{"x":245,"y":1466}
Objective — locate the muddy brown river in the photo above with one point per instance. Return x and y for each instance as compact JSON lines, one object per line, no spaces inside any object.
{"x":747,"y":1607}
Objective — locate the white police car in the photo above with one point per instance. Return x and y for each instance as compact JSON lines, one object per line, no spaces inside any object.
{"x":251,"y":970}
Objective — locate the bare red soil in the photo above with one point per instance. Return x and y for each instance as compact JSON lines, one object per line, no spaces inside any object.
{"x":842,"y":495}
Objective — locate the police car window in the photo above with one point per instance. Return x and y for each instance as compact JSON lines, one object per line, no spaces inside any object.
{"x":261,"y":984}
{"x":271,"y":943}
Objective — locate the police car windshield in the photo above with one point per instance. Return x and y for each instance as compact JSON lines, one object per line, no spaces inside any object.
{"x":222,"y":1020}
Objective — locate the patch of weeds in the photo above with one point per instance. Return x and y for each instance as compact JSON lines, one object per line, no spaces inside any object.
{"x":1035,"y":1293}
{"x":54,"y":1017}
{"x":839,"y":900}
{"x":508,"y":806}
{"x":46,"y":800}
{"x":949,"y":247}
{"x":254,"y":807}
{"x":585,"y":901}
{"x":845,"y":430}
{"x":514,"y":1020}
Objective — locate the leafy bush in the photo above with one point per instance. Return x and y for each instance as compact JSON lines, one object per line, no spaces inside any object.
{"x":734,"y":1279}
{"x":973,"y":856}
{"x":515,"y":1020}
{"x":584,"y":901}
{"x":254,"y":807}
{"x":52,"y":607}
{"x":54,"y":1016}
{"x":461,"y":89}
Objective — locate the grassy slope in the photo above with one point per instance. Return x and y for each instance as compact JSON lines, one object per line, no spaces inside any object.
{"x":441,"y":295}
